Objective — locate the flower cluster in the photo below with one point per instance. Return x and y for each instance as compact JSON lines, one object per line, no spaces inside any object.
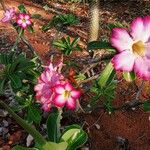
{"x":53,"y":90}
{"x":22,"y":19}
{"x":9,"y":15}
{"x":133,"y":48}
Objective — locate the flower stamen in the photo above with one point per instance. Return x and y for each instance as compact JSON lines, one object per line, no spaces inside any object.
{"x":138,"y":48}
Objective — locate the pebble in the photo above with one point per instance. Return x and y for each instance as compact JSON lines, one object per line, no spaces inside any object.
{"x":3,"y":113}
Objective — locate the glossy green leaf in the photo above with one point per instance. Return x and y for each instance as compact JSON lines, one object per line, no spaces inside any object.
{"x":22,"y":8}
{"x":30,"y":29}
{"x":129,"y":76}
{"x":74,"y":136}
{"x":107,"y":75}
{"x":100,"y":45}
{"x":53,"y":126}
{"x":146,"y":106}
{"x":55,"y":146}
{"x":23,"y":148}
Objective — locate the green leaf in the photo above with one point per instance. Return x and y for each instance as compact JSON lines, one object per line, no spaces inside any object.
{"x":74,"y":136}
{"x":36,"y":16}
{"x":100,"y":45}
{"x":53,"y":126}
{"x":23,"y":148}
{"x":30,"y":29}
{"x":22,"y":8}
{"x":129,"y":76}
{"x":34,"y":114}
{"x":107,"y":75}
{"x":146,"y":106}
{"x":55,"y":146}
{"x":15,"y":81}
{"x":2,"y":85}
{"x":110,"y":26}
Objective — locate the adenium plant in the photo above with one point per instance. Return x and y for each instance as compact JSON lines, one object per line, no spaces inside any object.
{"x":54,"y":91}
{"x":133,"y":47}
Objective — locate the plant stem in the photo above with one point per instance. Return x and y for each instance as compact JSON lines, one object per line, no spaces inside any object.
{"x":140,"y":90}
{"x":37,"y":136}
{"x":17,"y":40}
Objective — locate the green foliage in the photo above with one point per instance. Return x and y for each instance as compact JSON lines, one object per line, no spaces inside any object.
{"x":34,"y":114}
{"x":16,"y":70}
{"x":110,"y":26}
{"x":106,"y":76}
{"x":23,"y":148}
{"x":53,"y":126}
{"x":36,"y":16}
{"x":59,"y":21}
{"x":94,"y":45}
{"x":146,"y":106}
{"x":22,"y":8}
{"x":129,"y":76}
{"x":74,"y":136}
{"x":67,"y":46}
{"x":80,"y":77}
{"x":104,"y":87}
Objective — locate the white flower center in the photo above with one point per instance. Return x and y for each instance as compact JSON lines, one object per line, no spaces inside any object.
{"x":138,"y":48}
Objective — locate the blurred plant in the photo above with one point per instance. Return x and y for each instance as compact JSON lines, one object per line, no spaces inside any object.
{"x":61,"y":21}
{"x":67,"y":46}
{"x":19,"y":74}
{"x":71,"y":138}
{"x":104,"y":88}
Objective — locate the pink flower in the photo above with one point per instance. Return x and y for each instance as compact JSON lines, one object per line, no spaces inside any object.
{"x":46,"y":82}
{"x":133,"y":47}
{"x":9,"y":15}
{"x":24,"y":20}
{"x":66,"y":94}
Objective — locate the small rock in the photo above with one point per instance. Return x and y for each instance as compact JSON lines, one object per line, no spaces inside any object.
{"x":97,"y":126}
{"x":29,"y":140}
{"x":3,"y":113}
{"x":5,"y":123}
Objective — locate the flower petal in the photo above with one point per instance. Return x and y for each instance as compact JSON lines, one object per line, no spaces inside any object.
{"x":147,"y":50}
{"x":137,"y":29}
{"x":75,"y":94}
{"x":24,"y":25}
{"x":28,"y":22}
{"x":59,"y":100}
{"x":68,"y":87}
{"x":142,"y":67}
{"x":19,"y":21}
{"x":123,"y":61}
{"x":59,"y":89}
{"x":146,"y":33}
{"x":27,"y":17}
{"x":120,"y":39}
{"x":21,"y":16}
{"x":71,"y":103}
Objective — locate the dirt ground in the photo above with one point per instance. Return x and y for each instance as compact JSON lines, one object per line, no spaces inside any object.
{"x":128,"y":128}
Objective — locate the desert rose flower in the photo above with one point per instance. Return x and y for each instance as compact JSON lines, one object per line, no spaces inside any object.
{"x":24,"y":20}
{"x":9,"y":15}
{"x":66,"y":95}
{"x":46,"y":82}
{"x":133,"y":47}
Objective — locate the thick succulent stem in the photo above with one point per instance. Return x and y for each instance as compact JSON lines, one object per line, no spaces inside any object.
{"x":36,"y":135}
